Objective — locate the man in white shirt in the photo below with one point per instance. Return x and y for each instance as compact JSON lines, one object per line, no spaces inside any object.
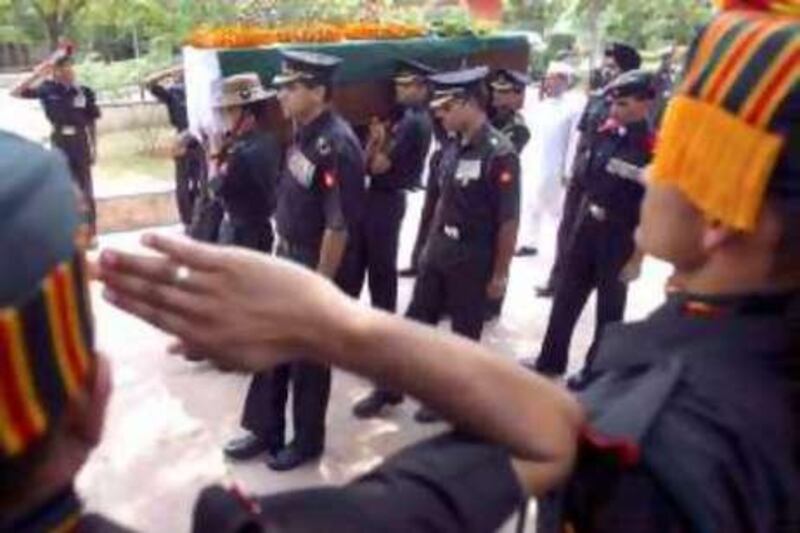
{"x":555,"y":118}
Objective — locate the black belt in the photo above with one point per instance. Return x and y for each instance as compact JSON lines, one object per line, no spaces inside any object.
{"x":68,"y":131}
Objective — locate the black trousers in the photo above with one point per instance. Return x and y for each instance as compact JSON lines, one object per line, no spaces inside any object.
{"x":376,"y":246}
{"x":265,"y":406}
{"x":453,"y":278}
{"x":189,"y":175}
{"x":566,"y":233}
{"x":78,"y":153}
{"x":258,"y":237}
{"x":594,"y":262}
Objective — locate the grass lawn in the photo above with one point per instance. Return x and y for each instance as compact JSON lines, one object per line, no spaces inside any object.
{"x":135,"y":156}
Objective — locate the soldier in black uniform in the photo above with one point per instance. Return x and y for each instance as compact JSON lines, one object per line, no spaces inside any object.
{"x":320,"y":202}
{"x":691,"y":423}
{"x":53,"y":404}
{"x":508,"y":98}
{"x":190,"y":160}
{"x":396,"y":163}
{"x":602,"y":247}
{"x":618,"y":59}
{"x":473,"y":234}
{"x":248,"y":164}
{"x":72,"y":111}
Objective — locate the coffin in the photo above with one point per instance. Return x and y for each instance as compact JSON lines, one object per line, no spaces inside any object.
{"x":363,"y":83}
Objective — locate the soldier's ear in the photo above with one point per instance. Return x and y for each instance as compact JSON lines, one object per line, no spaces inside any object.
{"x":717,"y":235}
{"x":320,"y":93}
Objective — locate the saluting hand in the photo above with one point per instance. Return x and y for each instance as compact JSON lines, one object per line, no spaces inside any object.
{"x":377,"y":133}
{"x":249,"y":310}
{"x":44,"y":68}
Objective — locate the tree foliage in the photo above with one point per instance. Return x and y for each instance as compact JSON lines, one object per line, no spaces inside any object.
{"x":122,"y":27}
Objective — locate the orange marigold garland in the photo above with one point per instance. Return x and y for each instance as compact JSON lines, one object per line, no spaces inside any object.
{"x":249,"y":36}
{"x":787,"y":7}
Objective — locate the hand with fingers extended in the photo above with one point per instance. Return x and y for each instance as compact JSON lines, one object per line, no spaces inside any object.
{"x":249,"y":310}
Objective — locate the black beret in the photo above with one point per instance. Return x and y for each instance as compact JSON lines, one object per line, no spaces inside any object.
{"x":626,"y":56}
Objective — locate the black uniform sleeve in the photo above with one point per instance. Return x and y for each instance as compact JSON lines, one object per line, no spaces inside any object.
{"x":160,"y":93}
{"x":452,"y":483}
{"x":234,"y":177}
{"x":32,"y":93}
{"x":332,"y":178}
{"x":520,"y":137}
{"x":432,"y":189}
{"x":410,"y":147}
{"x":92,"y":109}
{"x":505,"y":174}
{"x":605,"y":497}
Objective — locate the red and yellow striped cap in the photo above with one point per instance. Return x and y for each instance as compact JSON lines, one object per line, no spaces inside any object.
{"x":730,"y":133}
{"x":46,"y":341}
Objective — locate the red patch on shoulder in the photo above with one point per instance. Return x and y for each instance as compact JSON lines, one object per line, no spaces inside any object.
{"x":506,"y":177}
{"x":703,"y":310}
{"x":650,"y":143}
{"x":626,"y":452}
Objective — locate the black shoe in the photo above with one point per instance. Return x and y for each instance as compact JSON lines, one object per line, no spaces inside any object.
{"x":530,"y":364}
{"x":410,"y":272}
{"x":374,"y":404}
{"x":426,"y":416}
{"x":290,"y":458}
{"x":248,"y":447}
{"x":526,"y":251}
{"x":490,"y":314}
{"x":548,"y":291}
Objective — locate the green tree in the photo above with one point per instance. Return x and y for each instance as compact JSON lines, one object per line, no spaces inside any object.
{"x":55,"y":17}
{"x":638,"y":22}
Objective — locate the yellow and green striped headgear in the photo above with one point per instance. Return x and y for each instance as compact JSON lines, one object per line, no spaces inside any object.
{"x":46,"y":342}
{"x":731,"y":134}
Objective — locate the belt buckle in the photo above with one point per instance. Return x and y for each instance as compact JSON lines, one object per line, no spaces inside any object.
{"x":597,"y":212}
{"x":452,"y":232}
{"x":68,"y":130}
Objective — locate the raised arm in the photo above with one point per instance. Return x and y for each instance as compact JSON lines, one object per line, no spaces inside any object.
{"x":27,"y":87}
{"x":273,"y":311}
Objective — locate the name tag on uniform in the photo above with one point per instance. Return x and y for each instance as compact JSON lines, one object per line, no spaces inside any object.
{"x":301,"y":168}
{"x":625,"y":170}
{"x":468,"y":170}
